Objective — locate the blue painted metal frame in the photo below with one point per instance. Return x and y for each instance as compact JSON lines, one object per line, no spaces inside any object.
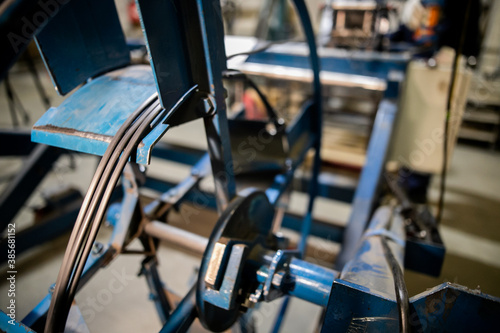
{"x":444,"y":308}
{"x":185,"y":38}
{"x":453,"y":308}
{"x":368,"y":64}
{"x":366,"y":192}
{"x":316,"y":126}
{"x":89,"y":118}
{"x":90,"y":34}
{"x":364,"y":298}
{"x":377,"y":299}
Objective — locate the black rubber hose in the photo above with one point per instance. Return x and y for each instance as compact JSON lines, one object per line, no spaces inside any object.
{"x":402,"y":298}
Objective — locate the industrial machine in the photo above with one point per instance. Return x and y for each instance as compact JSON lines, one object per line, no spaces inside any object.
{"x":121,"y":111}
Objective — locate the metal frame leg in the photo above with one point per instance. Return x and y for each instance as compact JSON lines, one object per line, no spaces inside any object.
{"x":37,"y":166}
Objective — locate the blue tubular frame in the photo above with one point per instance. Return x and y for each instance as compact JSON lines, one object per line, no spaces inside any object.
{"x":219,"y":146}
{"x":317,"y":123}
{"x":8,"y":324}
{"x":366,"y":192}
{"x":364,"y":296}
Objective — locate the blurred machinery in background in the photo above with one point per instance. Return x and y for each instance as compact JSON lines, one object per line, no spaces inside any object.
{"x":259,"y":149}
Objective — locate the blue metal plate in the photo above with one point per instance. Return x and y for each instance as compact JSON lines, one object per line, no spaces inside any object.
{"x":83,"y":40}
{"x":88,"y":119}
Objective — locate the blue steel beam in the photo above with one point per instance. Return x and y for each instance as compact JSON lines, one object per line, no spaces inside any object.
{"x":372,"y":65}
{"x":366,"y":192}
{"x":216,"y":126}
{"x":366,"y":286}
{"x":369,"y":267}
{"x":185,"y":40}
{"x":444,"y":308}
{"x":454,"y":308}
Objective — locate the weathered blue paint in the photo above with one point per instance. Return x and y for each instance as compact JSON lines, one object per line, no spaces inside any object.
{"x":88,"y":119}
{"x":369,"y":267}
{"x":312,"y":282}
{"x":453,"y":308}
{"x":445,"y":308}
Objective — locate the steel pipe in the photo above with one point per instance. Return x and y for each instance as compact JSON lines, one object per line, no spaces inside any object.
{"x":311,"y":282}
{"x":173,"y":235}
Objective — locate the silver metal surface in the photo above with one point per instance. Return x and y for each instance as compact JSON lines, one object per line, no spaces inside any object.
{"x":185,"y":239}
{"x":306,"y":75}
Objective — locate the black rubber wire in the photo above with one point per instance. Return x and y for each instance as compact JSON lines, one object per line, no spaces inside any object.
{"x":451,"y":88}
{"x":402,"y":298}
{"x":271,"y":112}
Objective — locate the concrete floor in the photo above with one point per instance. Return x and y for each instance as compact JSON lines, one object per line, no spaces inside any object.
{"x":470,"y":230}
